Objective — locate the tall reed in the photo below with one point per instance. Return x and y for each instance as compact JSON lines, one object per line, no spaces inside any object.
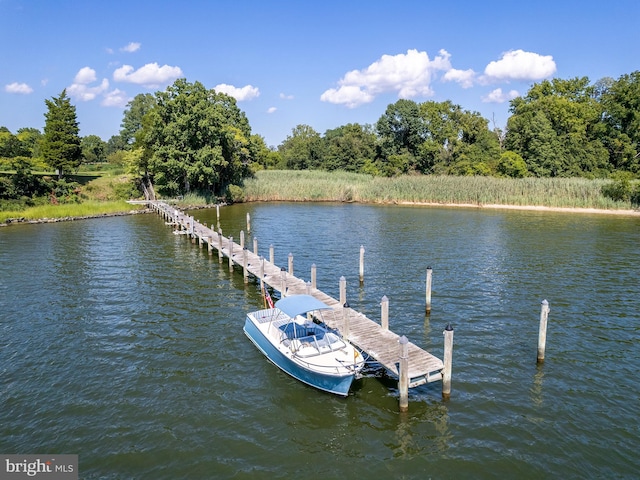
{"x":286,"y":185}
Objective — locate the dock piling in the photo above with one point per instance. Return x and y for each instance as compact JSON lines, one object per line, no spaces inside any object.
{"x":283,"y":280}
{"x":345,"y":318}
{"x":290,"y":257}
{"x":343,"y":290}
{"x":313,"y":275}
{"x":448,"y":357}
{"x":244,"y":266}
{"x":361,"y":264}
{"x":384,"y":307}
{"x":542,"y":333}
{"x":428,"y":290}
{"x":403,"y":381}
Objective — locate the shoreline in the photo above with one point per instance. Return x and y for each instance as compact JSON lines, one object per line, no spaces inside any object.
{"x":22,"y":221}
{"x":534,"y":208}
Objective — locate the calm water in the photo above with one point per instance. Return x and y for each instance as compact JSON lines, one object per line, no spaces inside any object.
{"x":123,"y":343}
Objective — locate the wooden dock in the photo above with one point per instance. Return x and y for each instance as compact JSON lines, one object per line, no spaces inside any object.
{"x":370,"y":337}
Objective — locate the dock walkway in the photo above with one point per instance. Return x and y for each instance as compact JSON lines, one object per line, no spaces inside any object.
{"x":370,"y":337}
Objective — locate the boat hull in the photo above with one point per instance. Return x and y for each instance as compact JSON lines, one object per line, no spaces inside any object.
{"x":336,"y":384}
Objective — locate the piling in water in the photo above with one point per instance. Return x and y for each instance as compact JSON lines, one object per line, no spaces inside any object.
{"x":384,"y":313}
{"x":403,"y":382}
{"x":542,"y":333}
{"x":428,"y":290}
{"x":447,"y":360}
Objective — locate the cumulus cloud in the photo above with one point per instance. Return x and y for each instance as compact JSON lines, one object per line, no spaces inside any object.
{"x":498,"y":96}
{"x":81,"y":89}
{"x":21,"y":88}
{"x":132,"y":47}
{"x":465,"y":78}
{"x":271,"y":109}
{"x":85,"y":93}
{"x":519,"y":65}
{"x":410,"y":75}
{"x":85,"y":75}
{"x":115,"y":98}
{"x":150,"y":75}
{"x":248,"y":92}
{"x":286,"y":97}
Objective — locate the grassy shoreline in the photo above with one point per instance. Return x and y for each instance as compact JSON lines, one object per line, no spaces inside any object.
{"x":70,"y":211}
{"x":431,"y":190}
{"x":547,"y":194}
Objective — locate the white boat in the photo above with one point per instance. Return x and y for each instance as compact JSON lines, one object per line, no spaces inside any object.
{"x":295,"y":338}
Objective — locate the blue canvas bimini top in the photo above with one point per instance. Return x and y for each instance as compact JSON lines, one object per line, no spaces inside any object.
{"x":300,"y":304}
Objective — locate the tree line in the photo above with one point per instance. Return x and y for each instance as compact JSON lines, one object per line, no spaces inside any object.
{"x":189,"y":138}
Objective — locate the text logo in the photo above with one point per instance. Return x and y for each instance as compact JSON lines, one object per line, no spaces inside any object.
{"x":48,"y":467}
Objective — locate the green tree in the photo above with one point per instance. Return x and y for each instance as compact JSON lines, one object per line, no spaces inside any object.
{"x":349,"y":147}
{"x":620,"y":100}
{"x":115,"y":144}
{"x":263,"y":157}
{"x":195,"y":139}
{"x":401,"y":127}
{"x":93,"y":149}
{"x":61,"y":144}
{"x":556,"y":128}
{"x":437,"y":137}
{"x":136,"y":109}
{"x":30,"y":139}
{"x":303,"y":149}
{"x":512,"y":165}
{"x":10,"y":145}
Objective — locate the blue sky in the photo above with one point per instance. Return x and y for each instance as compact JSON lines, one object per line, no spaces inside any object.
{"x":323,"y":64}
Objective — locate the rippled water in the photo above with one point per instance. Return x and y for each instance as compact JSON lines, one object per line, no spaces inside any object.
{"x":123,"y":343}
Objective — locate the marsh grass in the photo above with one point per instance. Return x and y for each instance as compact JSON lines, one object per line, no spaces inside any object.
{"x":285,"y":185}
{"x":85,"y":209}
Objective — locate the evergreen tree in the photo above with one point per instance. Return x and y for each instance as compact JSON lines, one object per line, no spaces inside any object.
{"x":61,"y":143}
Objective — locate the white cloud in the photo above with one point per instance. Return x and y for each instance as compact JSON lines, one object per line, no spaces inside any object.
{"x":85,"y":75}
{"x":85,"y":93}
{"x":115,"y":98}
{"x":498,"y":96}
{"x":132,"y":47}
{"x":464,"y":77}
{"x":16,"y":87}
{"x":271,"y":109}
{"x":520,"y":66}
{"x":248,"y":92}
{"x":286,"y":97}
{"x":408,"y":74}
{"x":350,"y":95}
{"x":150,"y":75}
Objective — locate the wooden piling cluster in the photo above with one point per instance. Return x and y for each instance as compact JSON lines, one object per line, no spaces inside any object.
{"x":412,"y":365}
